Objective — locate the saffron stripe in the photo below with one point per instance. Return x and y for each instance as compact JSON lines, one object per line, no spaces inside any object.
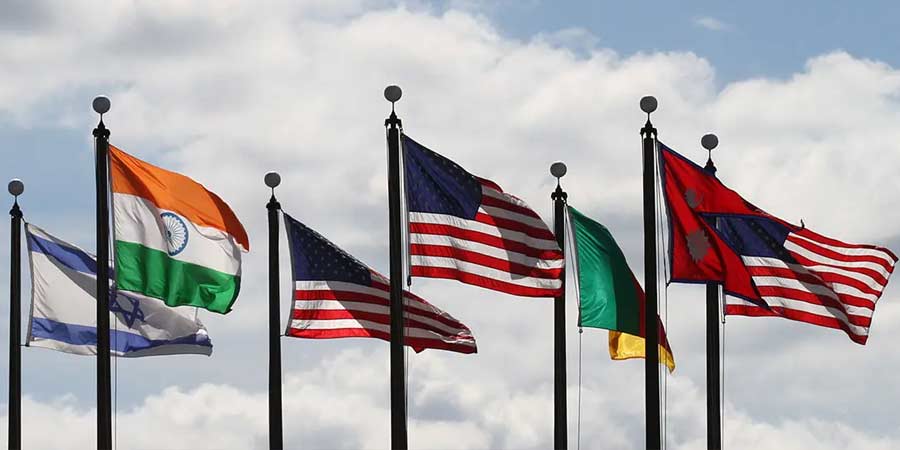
{"x":130,"y":175}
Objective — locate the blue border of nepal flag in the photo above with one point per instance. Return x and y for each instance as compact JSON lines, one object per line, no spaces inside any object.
{"x":337,"y":296}
{"x":767,"y":266}
{"x":466,"y":228}
{"x":64,"y":308}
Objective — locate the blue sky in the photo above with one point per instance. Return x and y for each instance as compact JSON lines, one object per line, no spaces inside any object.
{"x":804,"y":98}
{"x":741,"y":39}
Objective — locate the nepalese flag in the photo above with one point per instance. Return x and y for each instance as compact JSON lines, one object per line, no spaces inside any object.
{"x":466,"y":228}
{"x":767,"y":266}
{"x":64,"y":308}
{"x":609,"y":295}
{"x":337,"y":296}
{"x":174,"y":239}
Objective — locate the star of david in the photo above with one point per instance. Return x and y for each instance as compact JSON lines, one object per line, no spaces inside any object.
{"x":129,"y":316}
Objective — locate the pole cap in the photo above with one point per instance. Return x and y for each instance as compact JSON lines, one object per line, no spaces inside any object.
{"x":393,"y":93}
{"x":709,"y":141}
{"x":558,"y":169}
{"x":272,"y":179}
{"x":101,"y":104}
{"x":16,"y":187}
{"x":649,"y":104}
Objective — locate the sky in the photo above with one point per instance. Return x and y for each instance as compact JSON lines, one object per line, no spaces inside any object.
{"x":805,"y":100}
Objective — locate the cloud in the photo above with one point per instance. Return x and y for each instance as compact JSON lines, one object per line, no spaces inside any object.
{"x":225,"y":93}
{"x":712,"y":24}
{"x":217,"y":416}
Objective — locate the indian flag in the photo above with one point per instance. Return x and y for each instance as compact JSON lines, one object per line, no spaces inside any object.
{"x":609,"y":296}
{"x":174,"y":240}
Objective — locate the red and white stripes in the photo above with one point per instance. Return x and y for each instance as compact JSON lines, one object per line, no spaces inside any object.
{"x":834,"y":284}
{"x":334,"y":309}
{"x":506,"y":248}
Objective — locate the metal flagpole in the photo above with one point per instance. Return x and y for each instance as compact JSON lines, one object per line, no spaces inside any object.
{"x":101,"y":105}
{"x":398,"y":365}
{"x":560,"y":430}
{"x":651,"y":364}
{"x":16,"y":188}
{"x":276,"y":437}
{"x":713,"y":389}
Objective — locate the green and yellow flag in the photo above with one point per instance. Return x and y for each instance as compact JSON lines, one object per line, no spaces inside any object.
{"x":610,"y":297}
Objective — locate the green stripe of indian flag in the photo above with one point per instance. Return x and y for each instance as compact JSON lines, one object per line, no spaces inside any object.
{"x":155,"y":274}
{"x":607,"y":289}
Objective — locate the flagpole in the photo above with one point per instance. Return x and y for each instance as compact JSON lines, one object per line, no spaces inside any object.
{"x":398,"y":365}
{"x":560,"y":430}
{"x":14,"y":427}
{"x":101,"y":105}
{"x":651,"y":363}
{"x":276,"y":436}
{"x":713,"y":388}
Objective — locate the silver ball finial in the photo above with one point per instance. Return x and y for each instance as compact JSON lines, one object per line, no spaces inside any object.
{"x":558,"y":169}
{"x":101,"y":104}
{"x":709,"y":141}
{"x":16,"y":187}
{"x":649,"y":104}
{"x":393,"y":93}
{"x":272,"y":179}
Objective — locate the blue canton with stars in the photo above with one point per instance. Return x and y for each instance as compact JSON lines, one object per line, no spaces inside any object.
{"x":315,"y":258}
{"x":755,"y":236}
{"x":435,"y":184}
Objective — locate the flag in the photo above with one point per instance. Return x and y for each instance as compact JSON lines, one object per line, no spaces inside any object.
{"x":609,"y":295}
{"x":466,"y":228}
{"x":767,"y":266}
{"x":174,"y":240}
{"x":337,"y":296}
{"x":64,"y":308}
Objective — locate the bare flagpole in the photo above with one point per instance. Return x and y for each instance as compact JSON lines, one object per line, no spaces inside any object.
{"x":651,"y":363}
{"x":14,"y":416}
{"x":276,"y":435}
{"x":560,"y":428}
{"x":101,"y":105}
{"x":713,"y":388}
{"x":395,"y":211}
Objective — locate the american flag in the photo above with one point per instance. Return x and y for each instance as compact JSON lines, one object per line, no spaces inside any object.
{"x":466,"y":228}
{"x":767,"y":266}
{"x":804,"y":276}
{"x":337,"y":296}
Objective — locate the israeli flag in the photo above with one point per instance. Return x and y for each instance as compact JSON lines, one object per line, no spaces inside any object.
{"x":64,"y":308}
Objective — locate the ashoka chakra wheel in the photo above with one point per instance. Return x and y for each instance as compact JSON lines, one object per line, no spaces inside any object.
{"x":176,"y":233}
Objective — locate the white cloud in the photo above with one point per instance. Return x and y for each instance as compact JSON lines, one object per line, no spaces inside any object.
{"x":214,"y":416}
{"x":226,"y":94}
{"x":712,"y":24}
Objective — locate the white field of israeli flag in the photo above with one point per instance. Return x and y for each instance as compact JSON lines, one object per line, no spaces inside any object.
{"x":64,"y":307}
